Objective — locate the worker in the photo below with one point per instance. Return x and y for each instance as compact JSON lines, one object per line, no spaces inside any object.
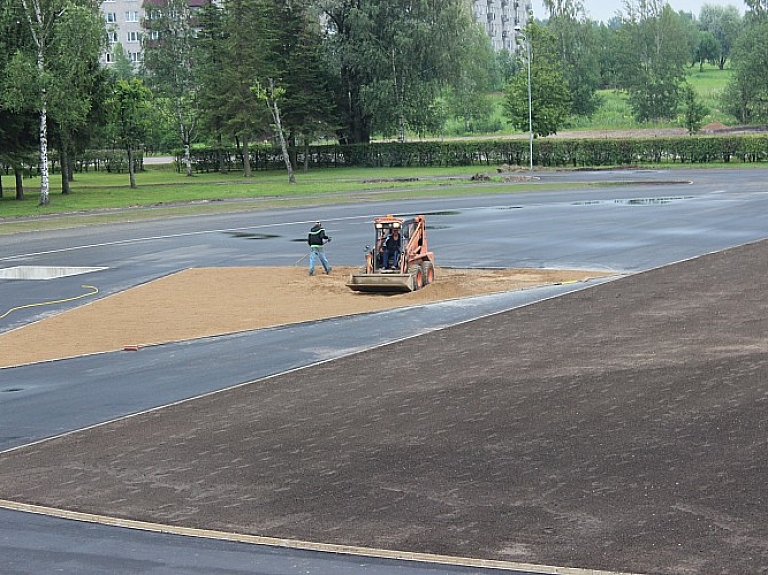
{"x":316,"y":239}
{"x":391,"y":250}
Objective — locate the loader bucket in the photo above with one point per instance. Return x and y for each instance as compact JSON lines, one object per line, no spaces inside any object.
{"x":382,"y":283}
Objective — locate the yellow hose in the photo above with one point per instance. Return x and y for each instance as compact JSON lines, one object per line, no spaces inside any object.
{"x":94,"y":291}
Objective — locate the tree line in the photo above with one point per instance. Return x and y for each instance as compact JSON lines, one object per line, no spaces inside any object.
{"x":294,"y":72}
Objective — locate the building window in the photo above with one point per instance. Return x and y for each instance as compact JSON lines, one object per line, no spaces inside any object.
{"x":112,"y":37}
{"x":108,"y":58}
{"x":132,"y":16}
{"x":111,"y":17}
{"x":133,"y":37}
{"x":134,"y":56}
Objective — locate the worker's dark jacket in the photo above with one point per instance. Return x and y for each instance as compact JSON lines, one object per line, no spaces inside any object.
{"x":316,"y":236}
{"x":392,"y":244}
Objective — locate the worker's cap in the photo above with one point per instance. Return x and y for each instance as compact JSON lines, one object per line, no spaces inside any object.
{"x":319,"y":223}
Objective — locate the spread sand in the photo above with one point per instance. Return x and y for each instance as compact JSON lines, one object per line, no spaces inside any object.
{"x":202,"y":302}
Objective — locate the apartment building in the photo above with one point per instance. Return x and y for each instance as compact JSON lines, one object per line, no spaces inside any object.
{"x":123,"y":18}
{"x":500,"y":17}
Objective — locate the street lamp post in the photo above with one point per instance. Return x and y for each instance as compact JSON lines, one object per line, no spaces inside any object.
{"x":530,"y":107}
{"x":527,"y":43}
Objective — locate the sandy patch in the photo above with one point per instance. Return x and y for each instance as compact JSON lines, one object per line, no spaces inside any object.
{"x":203,"y":302}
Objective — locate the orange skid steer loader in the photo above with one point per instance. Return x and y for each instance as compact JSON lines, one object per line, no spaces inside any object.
{"x":410,"y":265}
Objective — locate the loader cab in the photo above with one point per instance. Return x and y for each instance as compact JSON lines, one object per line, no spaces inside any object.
{"x":386,"y":228}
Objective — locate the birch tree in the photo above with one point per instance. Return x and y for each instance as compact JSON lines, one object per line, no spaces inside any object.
{"x":64,"y":38}
{"x":272,"y":94}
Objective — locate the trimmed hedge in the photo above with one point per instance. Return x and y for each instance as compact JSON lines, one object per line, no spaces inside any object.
{"x":547,"y":153}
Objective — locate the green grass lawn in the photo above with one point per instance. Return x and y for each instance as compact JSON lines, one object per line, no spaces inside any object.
{"x":104,"y":196}
{"x":615,"y":113}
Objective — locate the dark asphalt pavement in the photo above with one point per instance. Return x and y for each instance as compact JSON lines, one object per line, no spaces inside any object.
{"x":620,"y":428}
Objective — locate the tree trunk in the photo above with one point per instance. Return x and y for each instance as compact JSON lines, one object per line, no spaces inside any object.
{"x":44,"y":181}
{"x":37,"y":29}
{"x":185,"y":137}
{"x":357,"y":127}
{"x":1,"y":185}
{"x":131,"y":169}
{"x":220,"y":154}
{"x":280,"y":133}
{"x":246,"y":157}
{"x":19,"y":177}
{"x":64,"y":161}
{"x":293,"y":152}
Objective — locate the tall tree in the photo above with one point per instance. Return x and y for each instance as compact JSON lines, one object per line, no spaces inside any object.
{"x":122,"y":68}
{"x":707,"y":49}
{"x":211,"y":58}
{"x":694,"y":111}
{"x":74,"y":90}
{"x":550,"y":101}
{"x":131,"y":118}
{"x":170,"y":30}
{"x":17,"y":128}
{"x":394,"y":57}
{"x":342,"y":18}
{"x":747,"y":94}
{"x":725,"y":24}
{"x":245,"y":56}
{"x":578,"y":51}
{"x":298,"y":71}
{"x":652,"y":56}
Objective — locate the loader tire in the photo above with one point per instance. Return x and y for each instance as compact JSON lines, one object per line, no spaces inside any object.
{"x":428,"y":269}
{"x":418,"y":277}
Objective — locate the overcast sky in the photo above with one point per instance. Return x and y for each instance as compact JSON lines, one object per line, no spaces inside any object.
{"x":605,"y":9}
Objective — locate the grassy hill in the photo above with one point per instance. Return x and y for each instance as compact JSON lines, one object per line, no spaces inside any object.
{"x":615,"y":113}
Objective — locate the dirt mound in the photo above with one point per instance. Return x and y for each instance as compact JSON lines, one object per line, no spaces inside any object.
{"x":714,"y":127}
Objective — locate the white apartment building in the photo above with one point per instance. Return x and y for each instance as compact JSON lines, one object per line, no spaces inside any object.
{"x":499,"y":17}
{"x":123,"y":18}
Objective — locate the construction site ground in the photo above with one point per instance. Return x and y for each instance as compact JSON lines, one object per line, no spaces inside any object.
{"x":620,"y":427}
{"x":203,"y":302}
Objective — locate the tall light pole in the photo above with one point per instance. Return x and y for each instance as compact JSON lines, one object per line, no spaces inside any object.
{"x":530,"y":107}
{"x":527,"y":42}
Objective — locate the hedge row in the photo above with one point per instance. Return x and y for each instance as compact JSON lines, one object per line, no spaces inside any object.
{"x":546,"y":153}
{"x":108,"y":160}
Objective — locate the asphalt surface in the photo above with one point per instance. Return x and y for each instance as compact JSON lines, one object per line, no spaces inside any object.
{"x":617,"y":427}
{"x":582,"y":431}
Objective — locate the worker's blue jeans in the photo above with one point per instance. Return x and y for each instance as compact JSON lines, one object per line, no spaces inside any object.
{"x":318,"y":252}
{"x":394,"y":255}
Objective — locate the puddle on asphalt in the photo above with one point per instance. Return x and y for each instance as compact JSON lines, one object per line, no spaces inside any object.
{"x":446,"y":213}
{"x":253,"y":236}
{"x":634,"y":201}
